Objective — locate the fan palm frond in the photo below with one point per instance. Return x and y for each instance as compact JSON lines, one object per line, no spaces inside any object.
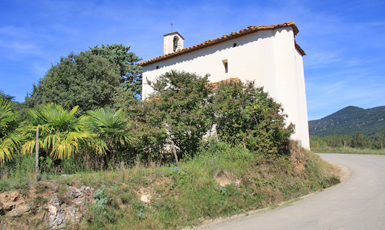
{"x":8,"y":146}
{"x":111,"y":127}
{"x":60,"y":132}
{"x":9,"y":137}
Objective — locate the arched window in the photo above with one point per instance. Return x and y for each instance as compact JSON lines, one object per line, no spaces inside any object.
{"x":175,"y":42}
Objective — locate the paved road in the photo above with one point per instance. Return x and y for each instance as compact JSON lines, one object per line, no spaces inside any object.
{"x":357,"y":203}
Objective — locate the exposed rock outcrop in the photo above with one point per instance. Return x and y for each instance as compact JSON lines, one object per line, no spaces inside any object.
{"x":57,"y":209}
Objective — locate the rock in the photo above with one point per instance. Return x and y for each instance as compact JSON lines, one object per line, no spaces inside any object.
{"x":71,"y":215}
{"x":9,"y":207}
{"x":57,"y":221}
{"x":54,"y":201}
{"x":76,"y":193}
{"x":145,"y":198}
{"x":87,"y":194}
{"x":60,"y":213}
{"x":83,"y":208}
{"x":56,"y":217}
{"x":19,"y":210}
{"x":73,"y":210}
{"x":52,"y":210}
{"x":85,"y":189}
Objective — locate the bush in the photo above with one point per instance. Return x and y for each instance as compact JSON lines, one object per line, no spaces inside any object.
{"x":245,"y":114}
{"x":178,"y":111}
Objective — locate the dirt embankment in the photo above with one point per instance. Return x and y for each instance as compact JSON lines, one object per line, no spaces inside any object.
{"x":143,"y":195}
{"x":44,"y":205}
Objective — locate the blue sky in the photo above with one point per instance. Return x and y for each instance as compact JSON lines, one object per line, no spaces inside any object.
{"x":344,"y":40}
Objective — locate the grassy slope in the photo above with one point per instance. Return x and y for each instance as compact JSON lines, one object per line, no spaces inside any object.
{"x":192,"y":195}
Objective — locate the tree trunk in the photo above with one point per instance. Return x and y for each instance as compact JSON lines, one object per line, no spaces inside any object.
{"x":176,"y":157}
{"x":37,"y":154}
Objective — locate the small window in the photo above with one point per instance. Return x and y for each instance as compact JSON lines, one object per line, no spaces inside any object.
{"x":226,"y":65}
{"x":235,"y":44}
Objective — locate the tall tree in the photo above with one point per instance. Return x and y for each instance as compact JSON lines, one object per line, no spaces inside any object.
{"x":6,"y":96}
{"x":181,"y":102}
{"x":119,"y":55}
{"x":20,"y":108}
{"x":151,"y":128}
{"x":85,"y":80}
{"x":360,"y":140}
{"x":378,"y":141}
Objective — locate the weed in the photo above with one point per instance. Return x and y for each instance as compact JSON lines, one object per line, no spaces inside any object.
{"x":63,"y":195}
{"x":24,"y":191}
{"x":4,"y":185}
{"x":228,"y":190}
{"x":222,"y":190}
{"x":102,"y":214}
{"x":126,"y":195}
{"x":176,"y":170}
{"x":41,"y":187}
{"x":139,"y":207}
{"x":68,"y":180}
{"x":36,"y":203}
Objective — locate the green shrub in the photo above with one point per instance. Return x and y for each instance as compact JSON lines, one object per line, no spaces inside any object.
{"x":246,"y":115}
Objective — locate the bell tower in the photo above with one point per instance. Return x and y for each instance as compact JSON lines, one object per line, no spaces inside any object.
{"x":172,"y":42}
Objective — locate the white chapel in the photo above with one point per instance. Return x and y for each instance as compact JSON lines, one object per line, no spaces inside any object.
{"x":268,"y":55}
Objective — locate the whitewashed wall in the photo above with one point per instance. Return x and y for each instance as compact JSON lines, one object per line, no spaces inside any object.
{"x":268,"y":57}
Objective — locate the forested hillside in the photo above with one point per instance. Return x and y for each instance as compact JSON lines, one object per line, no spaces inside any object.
{"x":349,"y":120}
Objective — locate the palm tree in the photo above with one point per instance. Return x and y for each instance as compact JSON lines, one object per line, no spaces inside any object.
{"x":9,"y":137}
{"x":60,"y":134}
{"x":111,"y":127}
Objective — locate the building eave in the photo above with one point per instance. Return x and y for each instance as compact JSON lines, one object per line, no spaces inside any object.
{"x":226,"y":37}
{"x":300,"y":50}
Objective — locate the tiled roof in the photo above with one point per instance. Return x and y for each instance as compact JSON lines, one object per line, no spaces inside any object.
{"x":226,"y":37}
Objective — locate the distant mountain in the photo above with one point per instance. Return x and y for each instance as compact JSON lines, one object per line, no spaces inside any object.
{"x":349,"y":120}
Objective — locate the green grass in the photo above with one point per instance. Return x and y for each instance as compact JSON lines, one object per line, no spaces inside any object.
{"x":350,"y":151}
{"x":191,"y":195}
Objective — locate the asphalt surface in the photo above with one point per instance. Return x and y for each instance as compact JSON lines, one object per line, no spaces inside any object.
{"x":356,"y":203}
